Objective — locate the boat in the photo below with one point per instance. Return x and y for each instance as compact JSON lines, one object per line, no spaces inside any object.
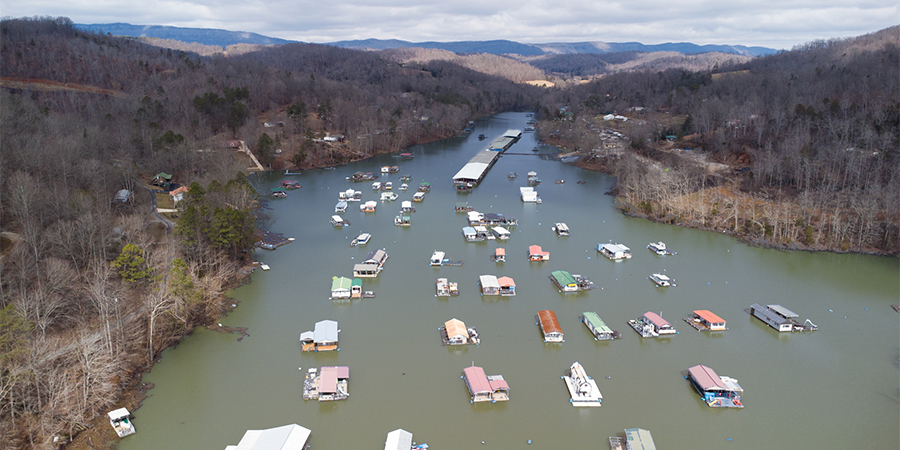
{"x":311,"y":384}
{"x":350,"y":195}
{"x":424,"y":186}
{"x":528,"y":129}
{"x":561,"y":229}
{"x":780,"y":318}
{"x":362,"y":239}
{"x":704,"y":320}
{"x":418,"y":197}
{"x":279,"y":192}
{"x":368,"y":206}
{"x":338,"y":221}
{"x":341,"y":206}
{"x":470,"y":234}
{"x":376,"y":185}
{"x":289,"y":173}
{"x":485,"y":388}
{"x":387,"y":186}
{"x":291,"y":184}
{"x":407,"y":207}
{"x":529,"y":195}
{"x":598,"y":328}
{"x":404,"y":187}
{"x":447,"y":288}
{"x":660,"y":248}
{"x":661,"y":280}
{"x":549,"y":325}
{"x":560,"y":181}
{"x":481,"y":137}
{"x":533,"y":179}
{"x":362,"y":176}
{"x":635,"y":439}
{"x":583,"y":389}
{"x":501,"y":233}
{"x":323,"y":338}
{"x":264,"y":266}
{"x":120,"y":419}
{"x":402,"y":220}
{"x":716,"y":391}
{"x":389,"y":196}
{"x":455,"y":332}
{"x":499,"y":255}
{"x":406,"y":178}
{"x":437,"y":258}
{"x":462,"y":207}
{"x":651,"y":325}
{"x":333,"y":383}
{"x":407,"y":156}
{"x":615,"y":252}
{"x":535,"y":253}
{"x":386,"y":169}
{"x":512,"y":175}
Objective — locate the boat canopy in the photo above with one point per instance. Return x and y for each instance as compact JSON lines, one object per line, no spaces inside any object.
{"x":470,"y":173}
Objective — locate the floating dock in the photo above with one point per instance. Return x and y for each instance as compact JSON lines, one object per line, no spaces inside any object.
{"x":477,"y":168}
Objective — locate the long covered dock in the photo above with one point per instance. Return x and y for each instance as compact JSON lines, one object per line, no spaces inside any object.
{"x":475,"y":170}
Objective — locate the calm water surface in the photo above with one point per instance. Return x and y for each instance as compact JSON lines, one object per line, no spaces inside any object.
{"x":836,"y":388}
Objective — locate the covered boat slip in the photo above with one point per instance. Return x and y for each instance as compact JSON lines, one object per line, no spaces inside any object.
{"x":483,"y":388}
{"x":549,"y":325}
{"x":704,"y":320}
{"x":475,"y":170}
{"x":323,"y":338}
{"x":716,"y":391}
{"x":287,"y":437}
{"x":598,"y":328}
{"x":583,"y":389}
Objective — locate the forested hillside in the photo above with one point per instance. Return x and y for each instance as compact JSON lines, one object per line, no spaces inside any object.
{"x":809,"y":136}
{"x":93,"y":288}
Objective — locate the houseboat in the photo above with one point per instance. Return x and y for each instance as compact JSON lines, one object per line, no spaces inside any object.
{"x":387,"y":186}
{"x":462,"y":207}
{"x":385,"y":169}
{"x":455,"y":332}
{"x":389,"y":196}
{"x":333,"y":383}
{"x":368,"y":206}
{"x":418,"y":197}
{"x":661,"y":280}
{"x":278,"y":192}
{"x":567,"y":282}
{"x":447,"y":288}
{"x":399,"y":439}
{"x":291,"y":436}
{"x":376,"y":186}
{"x":464,"y":187}
{"x":501,"y":233}
{"x":529,"y":195}
{"x":470,"y":234}
{"x":394,"y":169}
{"x":338,"y":221}
{"x":660,"y":248}
{"x":424,"y":186}
{"x":291,"y":184}
{"x":533,"y":179}
{"x":482,"y":233}
{"x":704,"y":320}
{"x":561,"y":229}
{"x":716,"y":391}
{"x":491,"y":219}
{"x":489,"y":285}
{"x":406,"y":178}
{"x":366,"y":270}
{"x":340,"y":287}
{"x":546,"y":320}
{"x":437,"y":258}
{"x":350,"y":195}
{"x":120,"y":419}
{"x":406,"y":156}
{"x":403,"y":220}
{"x":535,"y":253}
{"x":362,"y":239}
{"x":583,"y":389}
{"x":507,"y":286}
{"x":404,"y":187}
{"x":378,"y":257}
{"x":341,"y":206}
{"x":635,"y":439}
{"x":323,"y":338}
{"x":484,"y":388}
{"x":598,"y":328}
{"x":481,"y":137}
{"x":407,"y":207}
{"x":615,"y":252}
{"x":499,"y":255}
{"x":780,"y":318}
{"x":652,"y":325}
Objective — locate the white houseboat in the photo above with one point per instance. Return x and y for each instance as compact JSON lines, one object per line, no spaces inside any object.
{"x":546,"y":320}
{"x":368,"y":206}
{"x":387,"y":186}
{"x":615,"y":252}
{"x":404,"y":187}
{"x":651,"y":325}
{"x":337,"y":221}
{"x":582,"y":388}
{"x":661,"y":280}
{"x":376,"y":186}
{"x":418,"y":197}
{"x":529,"y":195}
{"x":407,"y":207}
{"x":362,"y":239}
{"x":437,"y":258}
{"x":598,"y":328}
{"x":341,"y":206}
{"x":484,"y":388}
{"x":120,"y":419}
{"x":561,"y":229}
{"x":447,"y":288}
{"x":660,"y":248}
{"x":489,"y":285}
{"x":386,"y":169}
{"x":455,"y":332}
{"x":366,"y":270}
{"x":470,"y":235}
{"x":716,"y":391}
{"x":350,"y":195}
{"x":501,"y":233}
{"x":389,"y":196}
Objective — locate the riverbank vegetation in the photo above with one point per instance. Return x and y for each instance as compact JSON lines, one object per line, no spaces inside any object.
{"x":94,"y":282}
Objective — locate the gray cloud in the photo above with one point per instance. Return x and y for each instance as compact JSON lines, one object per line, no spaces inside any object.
{"x":768,"y":23}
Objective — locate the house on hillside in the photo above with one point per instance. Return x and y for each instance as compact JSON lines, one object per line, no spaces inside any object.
{"x":178,"y":194}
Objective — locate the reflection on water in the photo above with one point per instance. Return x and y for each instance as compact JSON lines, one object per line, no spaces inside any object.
{"x":798,"y":387}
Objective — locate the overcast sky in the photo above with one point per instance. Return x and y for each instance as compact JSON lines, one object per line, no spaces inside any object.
{"x":779,"y":24}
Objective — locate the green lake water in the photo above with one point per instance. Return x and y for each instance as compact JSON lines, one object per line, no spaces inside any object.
{"x":835,"y":388}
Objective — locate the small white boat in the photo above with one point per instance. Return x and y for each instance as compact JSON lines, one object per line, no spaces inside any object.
{"x":389,"y":196}
{"x":337,"y":221}
{"x":341,"y":206}
{"x":661,"y":280}
{"x":376,"y":185}
{"x":264,"y":266}
{"x":660,"y":248}
{"x":437,"y":258}
{"x":362,"y":239}
{"x":387,"y":186}
{"x":368,"y":206}
{"x":386,"y":169}
{"x":561,"y":229}
{"x":404,"y":187}
{"x":119,"y":419}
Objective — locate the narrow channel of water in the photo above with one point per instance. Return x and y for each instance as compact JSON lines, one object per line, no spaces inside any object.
{"x":838,"y":387}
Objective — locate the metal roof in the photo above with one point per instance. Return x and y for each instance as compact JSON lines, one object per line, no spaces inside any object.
{"x":596,"y":322}
{"x":455,"y":327}
{"x":615,"y":248}
{"x":548,"y":321}
{"x":489,"y":281}
{"x":328,"y":378}
{"x":287,"y":437}
{"x":341,"y":283}
{"x":398,"y":439}
{"x":781,"y":310}
{"x":563,"y":278}
{"x":326,"y":331}
{"x":506,"y":281}
{"x":639,"y":439}
{"x":476,"y":380}
{"x":706,"y":378}
{"x":769,"y":314}
{"x":656,"y":319}
{"x":708,"y":316}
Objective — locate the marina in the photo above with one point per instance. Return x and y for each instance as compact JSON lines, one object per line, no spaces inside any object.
{"x":455,"y":332}
{"x":716,"y":391}
{"x":597,"y":327}
{"x":583,"y":390}
{"x":477,"y":168}
{"x":549,"y":325}
{"x":780,"y":318}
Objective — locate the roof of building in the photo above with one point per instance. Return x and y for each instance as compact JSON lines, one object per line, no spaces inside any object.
{"x":708,"y":316}
{"x":456,"y":327}
{"x":489,"y":281}
{"x":706,"y":378}
{"x":365,"y":267}
{"x":470,"y":172}
{"x":549,"y":324}
{"x":771,"y":315}
{"x":639,"y":439}
{"x":781,"y":310}
{"x":328,"y":378}
{"x":340,"y":283}
{"x":357,"y":282}
{"x":468,"y":230}
{"x":376,"y":256}
{"x":596,"y":322}
{"x":501,"y":230}
{"x":536,"y":250}
{"x":498,"y":383}
{"x":476,"y":380}
{"x":500,"y":252}
{"x":287,"y":437}
{"x":563,"y":278}
{"x":398,"y":439}
{"x":615,"y":248}
{"x":326,"y":331}
{"x":656,"y":319}
{"x":506,"y":281}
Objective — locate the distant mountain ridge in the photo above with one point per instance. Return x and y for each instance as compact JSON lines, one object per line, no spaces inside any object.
{"x":224,"y":38}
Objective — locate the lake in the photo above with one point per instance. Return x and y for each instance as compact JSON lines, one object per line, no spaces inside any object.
{"x":838,"y":387}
